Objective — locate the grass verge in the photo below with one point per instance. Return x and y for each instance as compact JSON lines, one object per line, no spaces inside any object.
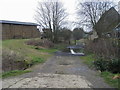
{"x":36,"y":60}
{"x":13,"y":73}
{"x":89,"y":59}
{"x":30,"y":54}
{"x":108,"y":78}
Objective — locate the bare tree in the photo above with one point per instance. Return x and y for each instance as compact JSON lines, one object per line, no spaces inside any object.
{"x":43,"y":14}
{"x":51,"y":15}
{"x":90,"y":12}
{"x":59,"y":15}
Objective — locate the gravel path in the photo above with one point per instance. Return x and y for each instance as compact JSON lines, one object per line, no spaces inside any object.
{"x":58,"y":72}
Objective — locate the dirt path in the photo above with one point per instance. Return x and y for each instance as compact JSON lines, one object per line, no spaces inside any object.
{"x":58,"y":72}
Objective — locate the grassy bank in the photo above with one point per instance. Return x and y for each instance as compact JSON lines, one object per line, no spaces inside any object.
{"x":13,"y":73}
{"x":108,"y":76}
{"x":31,"y":55}
{"x":18,"y":45}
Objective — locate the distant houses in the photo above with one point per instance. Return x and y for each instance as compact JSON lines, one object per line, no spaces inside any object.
{"x":15,"y":30}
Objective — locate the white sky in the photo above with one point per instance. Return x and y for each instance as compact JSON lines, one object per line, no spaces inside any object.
{"x":24,"y":10}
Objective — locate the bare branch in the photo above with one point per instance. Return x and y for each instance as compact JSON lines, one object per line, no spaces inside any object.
{"x":92,"y":11}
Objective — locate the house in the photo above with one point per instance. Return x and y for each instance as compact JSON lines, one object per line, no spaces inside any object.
{"x":15,"y":30}
{"x":108,"y":21}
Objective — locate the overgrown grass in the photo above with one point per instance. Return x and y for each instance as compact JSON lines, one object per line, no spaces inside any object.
{"x":13,"y":73}
{"x":32,"y":56}
{"x":18,"y":45}
{"x":108,"y":78}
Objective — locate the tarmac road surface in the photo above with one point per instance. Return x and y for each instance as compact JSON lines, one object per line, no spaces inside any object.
{"x":60,"y":71}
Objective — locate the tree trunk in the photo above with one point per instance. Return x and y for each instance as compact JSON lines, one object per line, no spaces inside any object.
{"x":75,"y":42}
{"x":69,"y":42}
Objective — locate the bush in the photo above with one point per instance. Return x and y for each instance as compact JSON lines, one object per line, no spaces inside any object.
{"x":114,"y":65}
{"x":106,"y":48}
{"x":108,"y":65}
{"x":101,"y":64}
{"x":34,"y":42}
{"x":44,"y":43}
{"x":106,"y":52}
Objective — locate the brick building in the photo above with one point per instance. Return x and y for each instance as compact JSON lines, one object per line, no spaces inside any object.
{"x":15,"y":29}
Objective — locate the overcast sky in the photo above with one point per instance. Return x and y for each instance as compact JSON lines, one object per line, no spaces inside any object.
{"x":24,"y":10}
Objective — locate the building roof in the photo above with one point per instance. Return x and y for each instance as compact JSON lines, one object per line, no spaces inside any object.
{"x":18,"y":23}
